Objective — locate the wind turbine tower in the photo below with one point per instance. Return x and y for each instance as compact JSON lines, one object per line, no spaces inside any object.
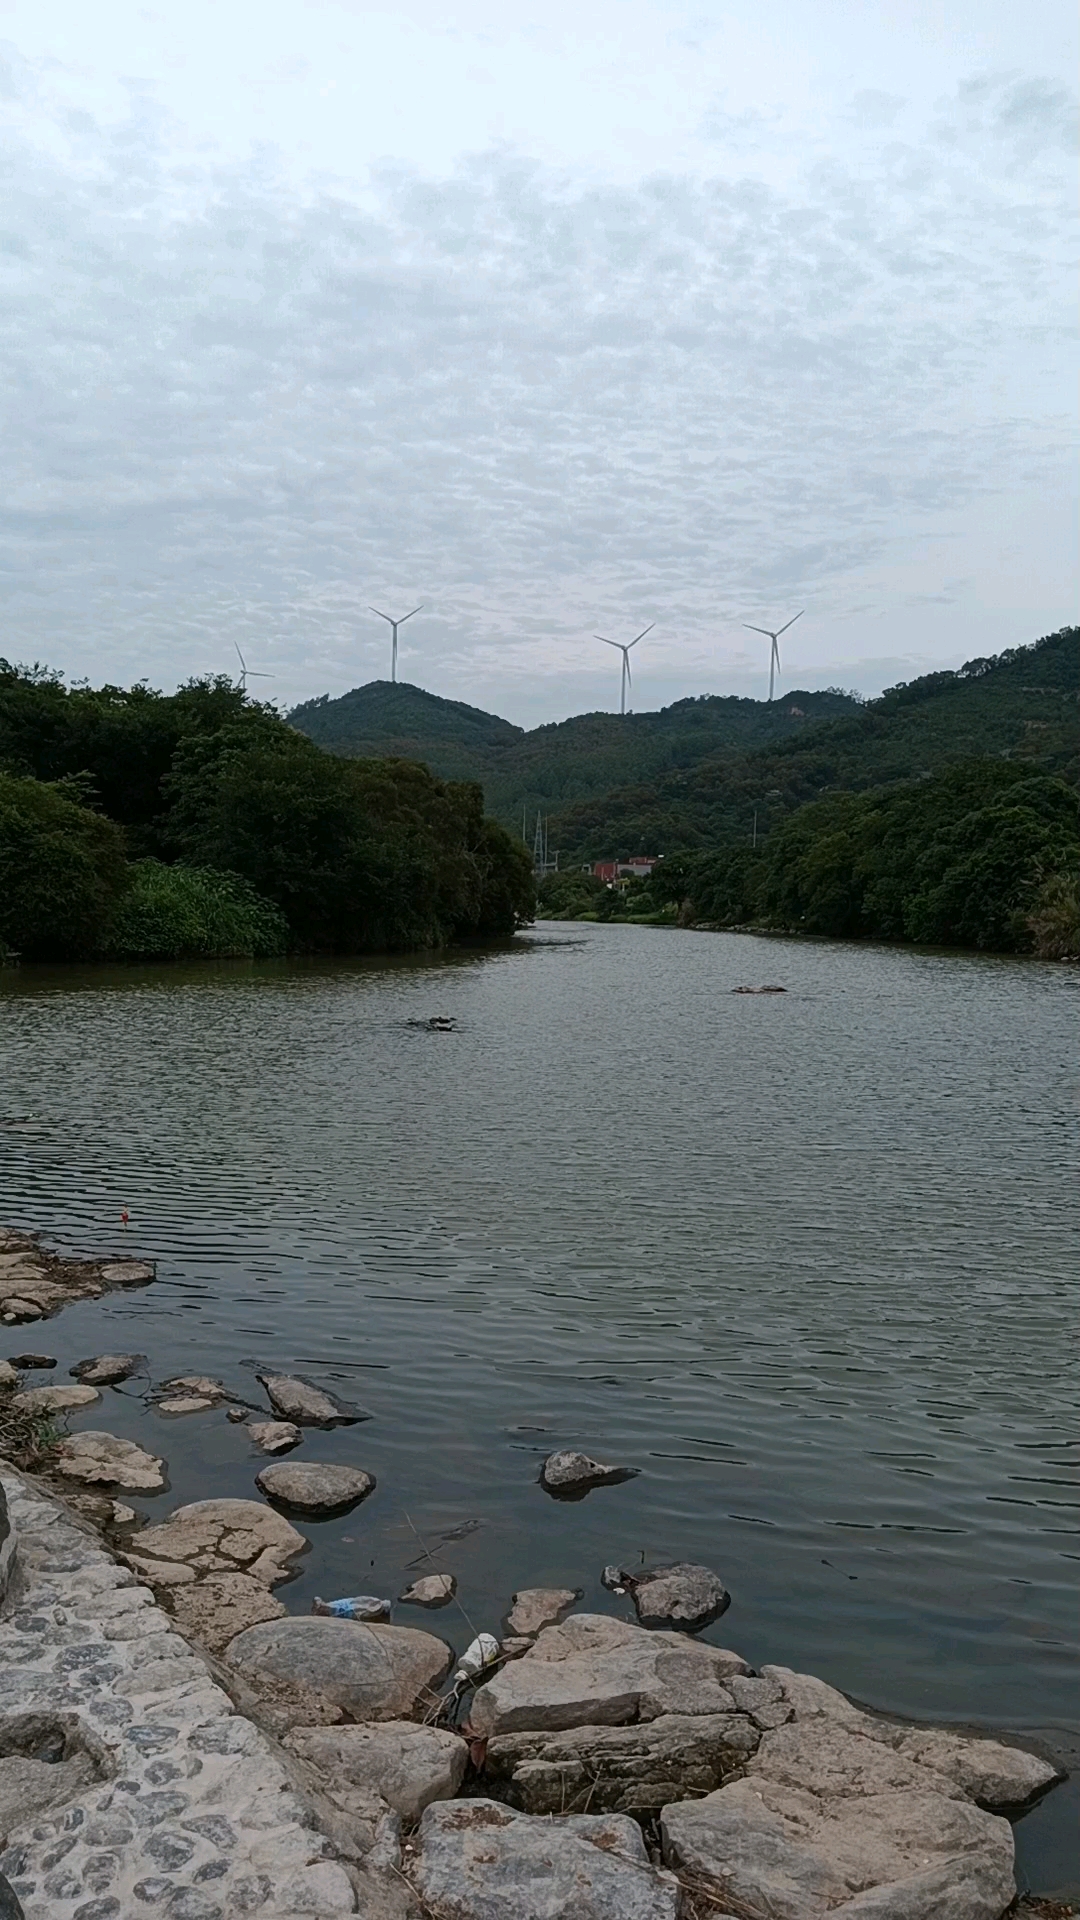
{"x":394,"y":625}
{"x":625,"y":651}
{"x":774,"y":655}
{"x":248,"y":673}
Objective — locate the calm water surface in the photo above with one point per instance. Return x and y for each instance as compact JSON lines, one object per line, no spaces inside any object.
{"x":804,"y":1259}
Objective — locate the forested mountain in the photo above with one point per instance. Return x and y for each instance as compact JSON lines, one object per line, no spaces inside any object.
{"x":1021,"y":705}
{"x":590,"y":754}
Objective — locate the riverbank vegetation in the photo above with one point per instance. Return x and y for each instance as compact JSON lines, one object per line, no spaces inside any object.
{"x":137,"y":825}
{"x":984,"y":856}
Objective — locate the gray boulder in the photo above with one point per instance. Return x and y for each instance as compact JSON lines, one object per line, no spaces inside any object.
{"x":777,"y":1853}
{"x":991,"y":1774}
{"x":196,"y":1386}
{"x":569,"y":1476}
{"x":128,"y":1273}
{"x":108,"y":1368}
{"x":537,"y":1607}
{"x":620,"y":1769}
{"x":596,"y":1671}
{"x":59,"y":1399}
{"x":271,"y":1436}
{"x":101,"y":1459}
{"x":683,"y":1597}
{"x":224,"y":1536}
{"x":297,"y":1400}
{"x":476,"y":1860}
{"x":315,"y":1488}
{"x":371,"y":1672}
{"x":407,"y":1765}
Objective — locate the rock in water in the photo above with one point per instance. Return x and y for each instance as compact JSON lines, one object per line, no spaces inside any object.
{"x":225,"y":1536}
{"x":569,"y":1476}
{"x":184,"y":1403}
{"x":101,"y":1459}
{"x":55,"y":1399}
{"x":33,"y":1360}
{"x":596,"y":1671}
{"x":683,"y":1597}
{"x":271,"y":1436}
{"x":108,"y":1368}
{"x":372,"y":1673}
{"x":621,"y":1769}
{"x":198,"y":1386}
{"x":128,"y":1273}
{"x":537,"y":1607}
{"x":433,"y":1590}
{"x":296,"y":1399}
{"x":477,"y":1860}
{"x":407,"y":1765}
{"x":991,"y":1774}
{"x":315,"y":1488}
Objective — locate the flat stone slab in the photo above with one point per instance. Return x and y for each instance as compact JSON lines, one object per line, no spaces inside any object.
{"x":621,"y":1769}
{"x":409,"y":1766}
{"x":275,"y":1436}
{"x":569,"y":1476}
{"x":108,"y":1369}
{"x":216,"y":1608}
{"x":478,"y":1860}
{"x":372,"y":1672}
{"x":184,"y":1403}
{"x":60,"y":1399}
{"x":198,"y":1816}
{"x":309,"y":1406}
{"x":537,"y":1607}
{"x":314,"y":1487}
{"x":101,"y":1459}
{"x":225,"y":1536}
{"x":596,"y":1671}
{"x":431,"y":1590}
{"x":199,"y":1386}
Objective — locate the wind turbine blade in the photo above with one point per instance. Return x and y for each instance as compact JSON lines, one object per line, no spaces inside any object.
{"x":751,"y":629}
{"x":240,"y":657}
{"x":643,"y":632}
{"x":420,"y":609}
{"x":382,"y":616}
{"x":791,"y":622}
{"x":608,"y":643}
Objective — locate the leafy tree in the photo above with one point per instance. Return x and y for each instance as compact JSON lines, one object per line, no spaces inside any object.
{"x":62,"y":871}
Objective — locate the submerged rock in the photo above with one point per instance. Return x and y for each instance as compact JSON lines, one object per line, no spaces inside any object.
{"x":108,"y":1368}
{"x":433,"y":1590}
{"x":55,"y":1399}
{"x":538,"y":1607}
{"x":184,"y":1403}
{"x":296,"y":1399}
{"x":596,"y":1671}
{"x":270,"y":1436}
{"x":100,"y":1459}
{"x":127,"y":1273}
{"x":407,"y":1765}
{"x":371,"y":1672}
{"x":570,"y":1475}
{"x":14,"y":1312}
{"x":477,"y":1860}
{"x":33,"y":1360}
{"x":315,"y":1488}
{"x":199,"y":1386}
{"x":683,"y":1597}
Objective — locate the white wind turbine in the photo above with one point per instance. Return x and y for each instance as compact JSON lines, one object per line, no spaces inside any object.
{"x":774,"y":656}
{"x":625,"y":651}
{"x":249,"y":673}
{"x":394,"y":625}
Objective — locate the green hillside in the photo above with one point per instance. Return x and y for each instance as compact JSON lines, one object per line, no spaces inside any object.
{"x":390,"y":720}
{"x":554,"y":765}
{"x":1022,"y":705}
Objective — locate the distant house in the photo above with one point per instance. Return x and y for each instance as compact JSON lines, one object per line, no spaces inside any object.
{"x":611,"y":872}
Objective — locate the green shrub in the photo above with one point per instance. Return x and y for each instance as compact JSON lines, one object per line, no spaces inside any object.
{"x":189,"y":913}
{"x":62,"y":871}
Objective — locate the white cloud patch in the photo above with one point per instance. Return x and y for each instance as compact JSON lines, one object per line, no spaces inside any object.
{"x":239,"y":412}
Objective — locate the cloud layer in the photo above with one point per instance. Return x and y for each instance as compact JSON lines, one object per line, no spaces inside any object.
{"x":239,"y":411}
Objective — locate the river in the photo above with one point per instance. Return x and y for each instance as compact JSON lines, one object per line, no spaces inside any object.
{"x":806,"y":1259}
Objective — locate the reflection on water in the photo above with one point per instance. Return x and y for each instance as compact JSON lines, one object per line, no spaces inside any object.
{"x":802,"y":1258}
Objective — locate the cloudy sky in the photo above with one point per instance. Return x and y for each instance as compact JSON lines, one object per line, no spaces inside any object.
{"x":559,"y":320}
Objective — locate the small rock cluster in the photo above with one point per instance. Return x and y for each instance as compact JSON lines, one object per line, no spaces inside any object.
{"x":35,"y":1284}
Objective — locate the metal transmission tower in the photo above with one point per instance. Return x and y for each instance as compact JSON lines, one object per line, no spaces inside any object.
{"x":774,"y":655}
{"x":625,"y":651}
{"x":249,"y":673}
{"x":543,"y":860}
{"x":394,"y":625}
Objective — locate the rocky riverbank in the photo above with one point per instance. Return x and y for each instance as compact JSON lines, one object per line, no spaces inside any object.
{"x":173,"y":1741}
{"x":34,"y":1283}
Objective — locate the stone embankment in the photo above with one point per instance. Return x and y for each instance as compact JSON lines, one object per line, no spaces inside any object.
{"x":173,"y":1743}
